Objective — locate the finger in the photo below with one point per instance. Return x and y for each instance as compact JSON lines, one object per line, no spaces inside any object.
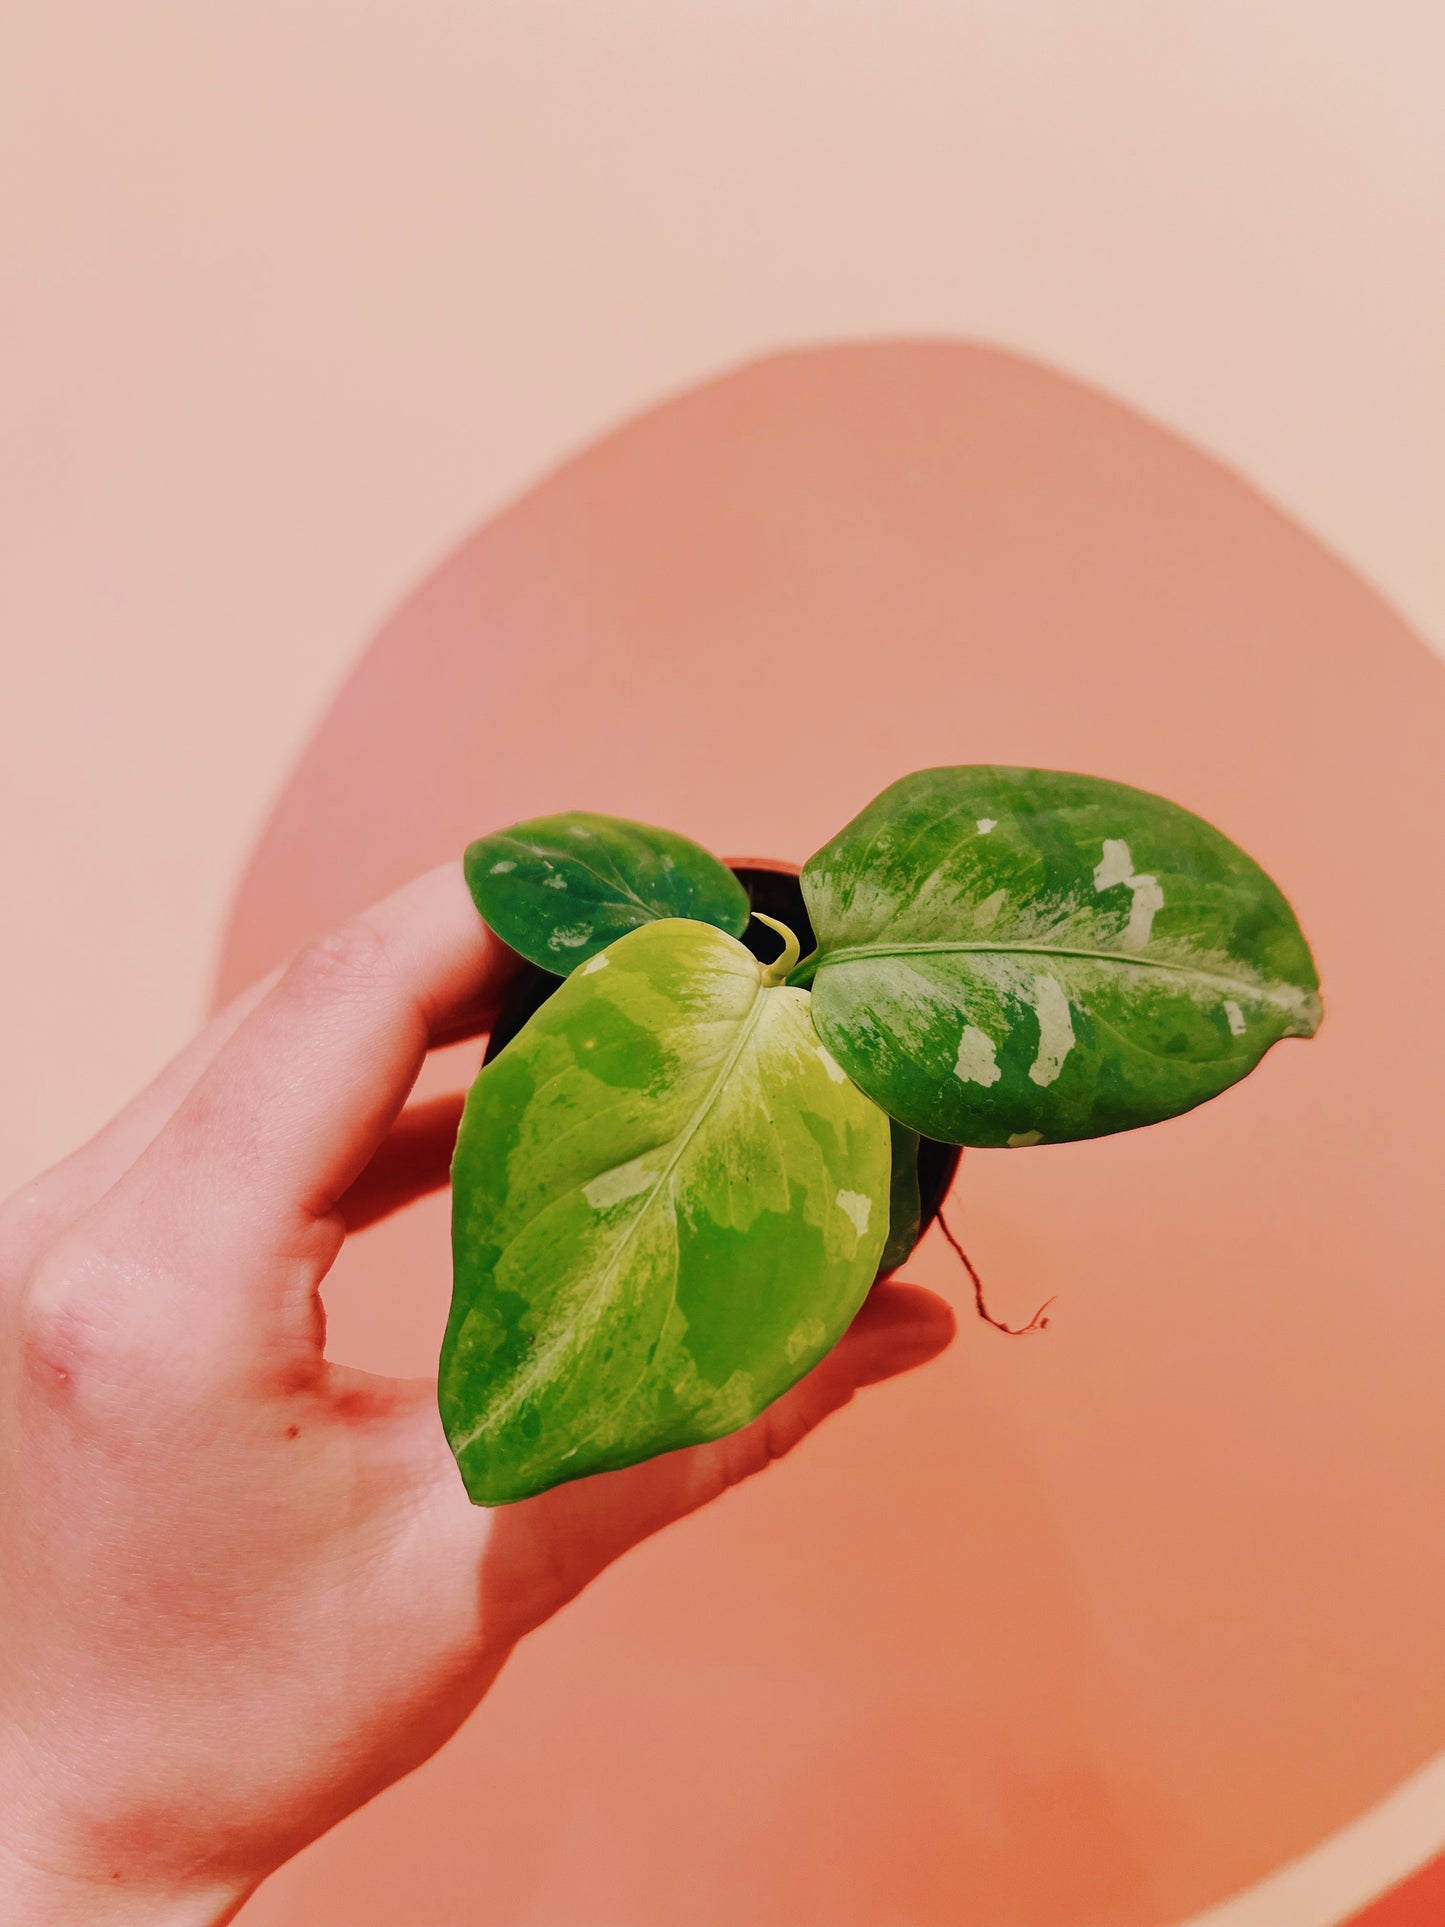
{"x":414,"y":1158}
{"x":295,"y":1104}
{"x":73,"y":1185}
{"x":56,"y":1196}
{"x":475,"y":1016}
{"x":899,"y":1328}
{"x":540,"y":1553}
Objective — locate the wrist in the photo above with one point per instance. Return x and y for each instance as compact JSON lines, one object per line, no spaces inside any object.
{"x":44,"y":1896}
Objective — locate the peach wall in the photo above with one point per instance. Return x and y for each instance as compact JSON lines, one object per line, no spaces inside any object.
{"x":292,"y":296}
{"x":1167,"y":1586}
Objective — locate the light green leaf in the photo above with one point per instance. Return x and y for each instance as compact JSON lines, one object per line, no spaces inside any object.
{"x":560,"y":888}
{"x":1014,"y":957}
{"x":668,"y":1202}
{"x":905,"y":1205}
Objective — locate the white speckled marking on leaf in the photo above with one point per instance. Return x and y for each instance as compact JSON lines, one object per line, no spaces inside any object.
{"x":1056,"y":1029}
{"x":1116,"y":866}
{"x":977,"y":1062}
{"x":626,"y":1181}
{"x":856,"y":1207}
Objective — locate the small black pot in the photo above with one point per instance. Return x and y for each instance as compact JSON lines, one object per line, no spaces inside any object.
{"x":774,"y":889}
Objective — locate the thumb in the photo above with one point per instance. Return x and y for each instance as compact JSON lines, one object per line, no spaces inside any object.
{"x":898,"y":1327}
{"x":542,"y":1552}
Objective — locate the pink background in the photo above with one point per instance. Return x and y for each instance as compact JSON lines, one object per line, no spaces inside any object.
{"x":295,"y":300}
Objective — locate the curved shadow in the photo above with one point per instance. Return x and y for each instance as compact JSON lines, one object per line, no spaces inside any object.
{"x":1096,"y":1629}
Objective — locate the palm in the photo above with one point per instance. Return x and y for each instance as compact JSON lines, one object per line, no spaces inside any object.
{"x":258,"y":1571}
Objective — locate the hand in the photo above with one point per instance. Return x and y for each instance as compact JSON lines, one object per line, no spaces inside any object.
{"x":242,"y":1588}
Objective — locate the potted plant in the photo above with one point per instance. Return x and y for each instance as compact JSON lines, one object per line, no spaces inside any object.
{"x":704,"y":1127}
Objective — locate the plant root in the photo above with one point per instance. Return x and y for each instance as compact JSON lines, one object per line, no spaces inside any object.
{"x":1038,"y":1323}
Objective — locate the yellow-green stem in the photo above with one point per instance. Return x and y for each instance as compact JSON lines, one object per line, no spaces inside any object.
{"x":776,"y":972}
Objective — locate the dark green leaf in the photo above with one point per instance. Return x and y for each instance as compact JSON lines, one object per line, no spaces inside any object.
{"x":560,"y":888}
{"x":668,"y":1202}
{"x":905,"y":1207}
{"x":1012,"y":956}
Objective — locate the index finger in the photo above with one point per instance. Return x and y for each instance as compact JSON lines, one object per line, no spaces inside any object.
{"x":294,"y":1104}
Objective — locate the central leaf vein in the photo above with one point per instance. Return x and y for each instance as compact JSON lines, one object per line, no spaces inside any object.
{"x":852,"y":953}
{"x":538,"y":1367}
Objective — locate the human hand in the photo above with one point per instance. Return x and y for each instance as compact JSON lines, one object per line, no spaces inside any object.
{"x":242,"y":1588}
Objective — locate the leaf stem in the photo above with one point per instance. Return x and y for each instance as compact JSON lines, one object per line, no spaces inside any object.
{"x":802,"y":975}
{"x":776,"y":972}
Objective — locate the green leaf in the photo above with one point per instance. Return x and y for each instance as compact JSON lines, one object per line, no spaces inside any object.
{"x":560,"y":888}
{"x":1014,"y":957}
{"x":667,"y":1203}
{"x":905,"y":1205}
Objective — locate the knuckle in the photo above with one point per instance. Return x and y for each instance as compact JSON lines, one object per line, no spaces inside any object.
{"x":350,"y":958}
{"x":747,"y":1453}
{"x":57,"y":1341}
{"x":786,"y":1424}
{"x":75,"y":1337}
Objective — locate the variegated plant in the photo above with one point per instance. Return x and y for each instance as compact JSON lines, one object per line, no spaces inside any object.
{"x":673,"y":1188}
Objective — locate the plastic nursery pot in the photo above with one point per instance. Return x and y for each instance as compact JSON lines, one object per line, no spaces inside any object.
{"x":774,"y":889}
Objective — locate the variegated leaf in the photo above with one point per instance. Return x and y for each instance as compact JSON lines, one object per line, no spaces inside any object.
{"x":905,"y":1205}
{"x":668,"y":1202}
{"x":560,"y":888}
{"x":1015,"y":957}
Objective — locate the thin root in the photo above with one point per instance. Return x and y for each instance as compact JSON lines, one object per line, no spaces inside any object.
{"x":1038,"y":1323}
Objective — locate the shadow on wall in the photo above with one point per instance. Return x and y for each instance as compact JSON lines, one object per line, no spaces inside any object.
{"x":1091,"y":1630}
